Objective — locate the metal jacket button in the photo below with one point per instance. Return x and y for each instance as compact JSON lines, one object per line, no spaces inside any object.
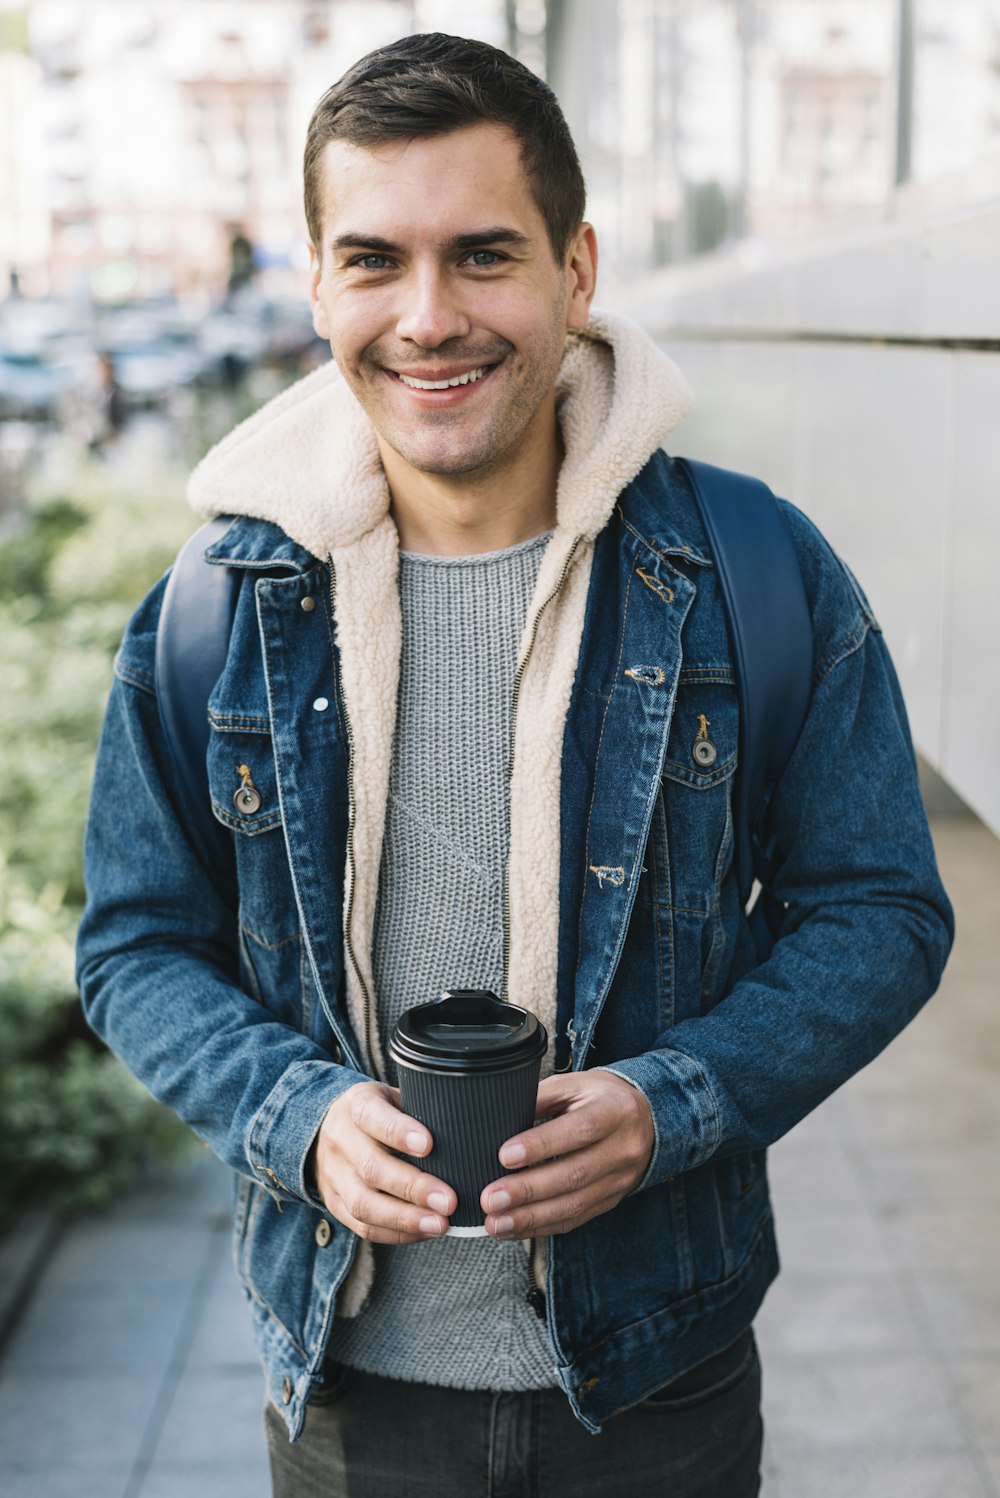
{"x":307,"y":605}
{"x":286,"y":1390}
{"x":704,"y":753}
{"x":324,"y":1232}
{"x":247,"y":798}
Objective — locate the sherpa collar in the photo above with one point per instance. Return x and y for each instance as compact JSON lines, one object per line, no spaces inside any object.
{"x":308,"y":460}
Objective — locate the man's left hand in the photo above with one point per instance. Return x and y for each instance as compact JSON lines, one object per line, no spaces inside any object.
{"x":591,"y":1151}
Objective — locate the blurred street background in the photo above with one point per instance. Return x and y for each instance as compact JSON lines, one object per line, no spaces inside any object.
{"x":800,"y":200}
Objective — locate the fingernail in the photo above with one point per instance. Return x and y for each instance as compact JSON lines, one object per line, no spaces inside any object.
{"x":498,"y":1201}
{"x":505,"y":1224}
{"x":439,"y":1202}
{"x":415,"y":1143}
{"x":512,"y":1154}
{"x":431,"y":1225}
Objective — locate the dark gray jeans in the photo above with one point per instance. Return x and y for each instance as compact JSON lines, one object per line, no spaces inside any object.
{"x":369,"y":1437}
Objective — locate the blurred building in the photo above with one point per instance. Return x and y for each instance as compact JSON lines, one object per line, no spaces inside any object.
{"x":801,"y":201}
{"x":704,"y":122}
{"x":138,"y":142}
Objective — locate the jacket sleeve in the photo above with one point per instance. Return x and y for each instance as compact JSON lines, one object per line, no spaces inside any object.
{"x":868,"y":926}
{"x":157,"y":956}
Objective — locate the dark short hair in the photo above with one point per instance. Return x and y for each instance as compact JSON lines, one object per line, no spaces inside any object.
{"x":431,"y":84}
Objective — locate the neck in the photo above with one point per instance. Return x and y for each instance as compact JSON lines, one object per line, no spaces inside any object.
{"x":464,"y":514}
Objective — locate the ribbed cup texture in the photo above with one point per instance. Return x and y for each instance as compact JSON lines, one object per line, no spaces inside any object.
{"x":469,"y":1118}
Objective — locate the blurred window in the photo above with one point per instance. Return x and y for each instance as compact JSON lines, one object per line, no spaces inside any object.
{"x":702,"y":122}
{"x":956,"y":84}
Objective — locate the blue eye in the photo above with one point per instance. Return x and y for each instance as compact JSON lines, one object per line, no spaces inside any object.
{"x":485,"y":258}
{"x":365,"y":262}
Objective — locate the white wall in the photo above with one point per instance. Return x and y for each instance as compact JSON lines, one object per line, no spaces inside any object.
{"x":893,"y":447}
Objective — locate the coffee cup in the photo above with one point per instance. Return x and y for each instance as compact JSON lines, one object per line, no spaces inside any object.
{"x":468,"y":1067}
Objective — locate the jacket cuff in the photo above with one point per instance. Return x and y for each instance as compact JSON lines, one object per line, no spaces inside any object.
{"x":686,"y":1124}
{"x":285,"y":1125}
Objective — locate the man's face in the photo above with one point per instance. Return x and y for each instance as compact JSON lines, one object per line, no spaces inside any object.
{"x":436,"y":267}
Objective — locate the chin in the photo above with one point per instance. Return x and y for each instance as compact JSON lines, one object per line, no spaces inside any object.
{"x":446,"y":464}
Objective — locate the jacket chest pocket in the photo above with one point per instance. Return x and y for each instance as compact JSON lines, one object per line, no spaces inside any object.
{"x":244,"y":792}
{"x":697,"y":829}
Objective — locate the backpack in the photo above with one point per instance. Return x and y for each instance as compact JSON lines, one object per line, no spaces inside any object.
{"x":767,"y":618}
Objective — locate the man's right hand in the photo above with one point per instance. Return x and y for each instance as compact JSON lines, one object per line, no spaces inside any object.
{"x":363,"y":1184}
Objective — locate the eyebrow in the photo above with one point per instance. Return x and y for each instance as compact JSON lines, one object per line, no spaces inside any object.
{"x":494,"y":234}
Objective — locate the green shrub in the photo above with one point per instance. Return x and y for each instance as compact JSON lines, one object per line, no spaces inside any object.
{"x":74,"y":1125}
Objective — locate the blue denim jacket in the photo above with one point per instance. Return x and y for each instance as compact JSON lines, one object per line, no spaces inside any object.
{"x":229,"y":1002}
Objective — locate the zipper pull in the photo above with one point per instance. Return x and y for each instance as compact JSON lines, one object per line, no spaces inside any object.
{"x":536,"y":1301}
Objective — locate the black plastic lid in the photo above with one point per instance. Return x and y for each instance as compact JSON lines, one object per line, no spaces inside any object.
{"x":467,"y":1029}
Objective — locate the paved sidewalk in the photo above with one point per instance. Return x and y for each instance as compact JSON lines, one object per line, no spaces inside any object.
{"x":131,"y":1373}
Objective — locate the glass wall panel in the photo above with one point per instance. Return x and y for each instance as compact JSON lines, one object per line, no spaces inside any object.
{"x":956,"y":84}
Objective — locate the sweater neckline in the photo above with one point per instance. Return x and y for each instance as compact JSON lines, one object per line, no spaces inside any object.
{"x":479,"y":558}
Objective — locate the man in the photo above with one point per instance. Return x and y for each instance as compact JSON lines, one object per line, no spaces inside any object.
{"x":477,"y":639}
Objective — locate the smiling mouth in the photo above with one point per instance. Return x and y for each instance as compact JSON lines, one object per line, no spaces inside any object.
{"x":468,"y":378}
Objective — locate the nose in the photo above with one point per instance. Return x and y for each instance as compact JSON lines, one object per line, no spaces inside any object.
{"x":431,"y":313}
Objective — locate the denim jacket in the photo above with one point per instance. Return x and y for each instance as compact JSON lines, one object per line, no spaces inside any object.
{"x":230,"y":1003}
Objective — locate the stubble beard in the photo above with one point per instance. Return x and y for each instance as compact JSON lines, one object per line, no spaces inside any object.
{"x":499,"y":442}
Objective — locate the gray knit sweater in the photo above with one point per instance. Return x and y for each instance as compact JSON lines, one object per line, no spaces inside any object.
{"x":454,"y":1310}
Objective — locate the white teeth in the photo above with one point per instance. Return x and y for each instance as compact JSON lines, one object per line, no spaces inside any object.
{"x":462,"y":379}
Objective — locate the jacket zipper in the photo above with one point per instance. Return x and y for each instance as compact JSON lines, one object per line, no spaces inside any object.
{"x":510,"y":750}
{"x":536,"y":1295}
{"x":350,"y":842}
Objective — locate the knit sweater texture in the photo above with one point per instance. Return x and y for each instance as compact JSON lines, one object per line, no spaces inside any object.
{"x":450,"y":1311}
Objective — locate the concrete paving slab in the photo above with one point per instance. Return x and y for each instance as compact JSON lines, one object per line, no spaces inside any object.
{"x":249,"y":1480}
{"x":102,"y":1252}
{"x":52,"y":1420}
{"x":875,"y":1402}
{"x":977,"y":1380}
{"x":844,"y":1237}
{"x":927,"y":1172}
{"x":200,"y":1189}
{"x":817,"y":1314}
{"x":814,"y":1168}
{"x":97,"y":1329}
{"x":955,"y":1235}
{"x":65,"y":1482}
{"x":963,"y":1310}
{"x":899,"y":1474}
{"x":223,"y":1338}
{"x":215,"y":1418}
{"x":957,"y":1117}
{"x":24,"y":1251}
{"x":991,"y":1459}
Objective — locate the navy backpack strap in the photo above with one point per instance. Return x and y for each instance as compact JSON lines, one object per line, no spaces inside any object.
{"x":770,"y":630}
{"x":192,"y":642}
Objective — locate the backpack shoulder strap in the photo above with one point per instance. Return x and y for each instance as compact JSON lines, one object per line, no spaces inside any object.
{"x":192,"y":642}
{"x":770,"y":631}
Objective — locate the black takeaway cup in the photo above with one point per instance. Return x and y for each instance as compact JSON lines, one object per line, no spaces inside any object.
{"x":468,"y":1070}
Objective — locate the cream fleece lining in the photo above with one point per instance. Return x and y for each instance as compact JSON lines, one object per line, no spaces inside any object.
{"x":308,"y":462}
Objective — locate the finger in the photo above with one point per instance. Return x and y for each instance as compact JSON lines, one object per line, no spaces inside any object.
{"x":371,"y":1234}
{"x":376,"y":1115}
{"x":577,"y":1172}
{"x":393,"y":1177}
{"x":578,"y":1128}
{"x":556,"y":1215}
{"x":384,"y":1219}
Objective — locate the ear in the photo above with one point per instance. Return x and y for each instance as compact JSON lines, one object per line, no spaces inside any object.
{"x":581,"y":276}
{"x":319,"y":318}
